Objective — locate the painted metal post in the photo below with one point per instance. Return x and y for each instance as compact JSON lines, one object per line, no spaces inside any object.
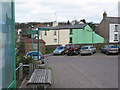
{"x":92,"y":35}
{"x":21,"y":71}
{"x":32,"y":41}
{"x":32,"y":36}
{"x":38,"y":45}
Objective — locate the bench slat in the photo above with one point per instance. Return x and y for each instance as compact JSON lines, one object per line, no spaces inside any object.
{"x":40,"y":76}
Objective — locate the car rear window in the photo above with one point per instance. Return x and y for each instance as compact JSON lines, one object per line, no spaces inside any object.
{"x":32,"y":54}
{"x":113,"y":47}
{"x":60,"y":48}
{"x":68,"y":46}
{"x":84,"y":48}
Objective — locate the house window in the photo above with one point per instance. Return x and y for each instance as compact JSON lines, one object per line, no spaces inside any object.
{"x":70,"y":39}
{"x":45,"y":32}
{"x":55,"y":40}
{"x":71,"y":31}
{"x":54,"y":32}
{"x":116,"y":27}
{"x":116,"y":37}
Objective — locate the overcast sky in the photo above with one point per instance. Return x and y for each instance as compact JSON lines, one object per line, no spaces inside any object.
{"x":64,"y":10}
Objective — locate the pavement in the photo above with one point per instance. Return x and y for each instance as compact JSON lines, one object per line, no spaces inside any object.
{"x":96,"y":71}
{"x":47,"y":55}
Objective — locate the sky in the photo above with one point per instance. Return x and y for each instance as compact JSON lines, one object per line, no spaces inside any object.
{"x":64,"y":10}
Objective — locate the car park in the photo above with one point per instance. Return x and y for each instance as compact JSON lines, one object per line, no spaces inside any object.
{"x":110,"y":49}
{"x":59,"y":50}
{"x":34,"y":55}
{"x":72,"y":49}
{"x":87,"y":50}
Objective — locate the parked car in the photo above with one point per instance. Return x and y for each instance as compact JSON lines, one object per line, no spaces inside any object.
{"x":87,"y":50}
{"x":34,"y":55}
{"x":118,"y":47}
{"x":72,"y":49}
{"x":107,"y":49}
{"x":59,"y":50}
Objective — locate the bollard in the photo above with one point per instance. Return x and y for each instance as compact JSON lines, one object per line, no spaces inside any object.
{"x":21,"y":71}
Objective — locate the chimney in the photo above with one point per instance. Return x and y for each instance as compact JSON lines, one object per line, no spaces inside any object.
{"x":104,"y":15}
{"x":55,"y":24}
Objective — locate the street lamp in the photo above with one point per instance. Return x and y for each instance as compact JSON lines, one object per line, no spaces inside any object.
{"x":32,"y":36}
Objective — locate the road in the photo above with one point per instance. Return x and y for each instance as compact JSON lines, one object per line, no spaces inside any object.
{"x":96,"y":71}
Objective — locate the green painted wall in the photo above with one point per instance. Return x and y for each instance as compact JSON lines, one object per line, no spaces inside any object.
{"x":84,"y":36}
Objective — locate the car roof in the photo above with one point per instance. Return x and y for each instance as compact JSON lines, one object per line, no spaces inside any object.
{"x":71,"y":44}
{"x":33,"y":52}
{"x":61,"y":46}
{"x":87,"y":46}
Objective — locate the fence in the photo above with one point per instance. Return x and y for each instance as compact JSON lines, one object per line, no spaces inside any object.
{"x":31,"y":67}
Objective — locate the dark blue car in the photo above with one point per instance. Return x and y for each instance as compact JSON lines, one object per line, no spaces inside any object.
{"x":34,"y":55}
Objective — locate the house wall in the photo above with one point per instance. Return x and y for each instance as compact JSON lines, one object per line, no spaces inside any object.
{"x":28,"y":47}
{"x":84,"y":36}
{"x":112,"y":33}
{"x":62,"y":37}
{"x":104,"y":30}
{"x":119,"y":9}
{"x":49,"y":38}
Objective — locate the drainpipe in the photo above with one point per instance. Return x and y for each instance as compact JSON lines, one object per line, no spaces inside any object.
{"x":58,"y":37}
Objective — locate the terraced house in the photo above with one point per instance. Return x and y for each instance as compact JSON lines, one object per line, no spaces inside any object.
{"x":74,"y":34}
{"x":109,"y":28}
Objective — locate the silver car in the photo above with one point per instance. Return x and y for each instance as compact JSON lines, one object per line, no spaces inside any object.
{"x":59,"y":50}
{"x":87,"y":50}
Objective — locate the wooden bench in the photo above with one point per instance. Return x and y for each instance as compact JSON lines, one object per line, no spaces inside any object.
{"x":40,"y":78}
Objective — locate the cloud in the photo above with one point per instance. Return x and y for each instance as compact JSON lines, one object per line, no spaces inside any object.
{"x":44,"y":10}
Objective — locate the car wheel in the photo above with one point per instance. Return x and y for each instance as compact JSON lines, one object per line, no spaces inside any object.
{"x":91,"y":53}
{"x":95,"y":51}
{"x":107,"y":53}
{"x":63,"y":53}
{"x":70,"y":54}
{"x":76,"y":52}
{"x":81,"y":54}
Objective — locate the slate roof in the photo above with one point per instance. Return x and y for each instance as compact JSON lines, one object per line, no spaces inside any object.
{"x":58,"y":27}
{"x":113,"y":20}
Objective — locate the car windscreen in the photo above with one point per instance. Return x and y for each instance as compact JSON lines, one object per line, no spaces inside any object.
{"x":68,"y":46}
{"x":84,"y":48}
{"x":60,"y":48}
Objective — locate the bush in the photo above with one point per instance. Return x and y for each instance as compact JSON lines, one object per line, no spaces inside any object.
{"x":23,"y":60}
{"x":50,"y":48}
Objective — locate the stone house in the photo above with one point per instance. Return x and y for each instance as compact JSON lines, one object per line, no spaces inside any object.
{"x":28,"y":45}
{"x":109,"y":28}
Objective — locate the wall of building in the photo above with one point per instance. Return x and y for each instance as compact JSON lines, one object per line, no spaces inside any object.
{"x":119,"y":9}
{"x":62,"y":37}
{"x":49,"y":37}
{"x":84,"y":36}
{"x":112,"y":33}
{"x":104,"y":30}
{"x":28,"y":47}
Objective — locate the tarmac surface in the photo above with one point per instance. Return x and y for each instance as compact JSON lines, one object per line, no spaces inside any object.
{"x":89,"y":71}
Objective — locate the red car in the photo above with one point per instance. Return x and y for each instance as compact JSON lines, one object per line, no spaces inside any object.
{"x":72,"y":49}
